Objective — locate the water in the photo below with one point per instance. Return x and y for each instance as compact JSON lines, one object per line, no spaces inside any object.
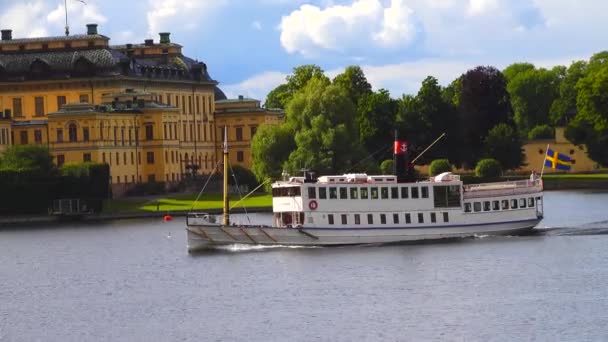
{"x":134,"y":281}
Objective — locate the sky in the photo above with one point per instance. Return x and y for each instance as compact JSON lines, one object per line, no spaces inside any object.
{"x":250,"y":46}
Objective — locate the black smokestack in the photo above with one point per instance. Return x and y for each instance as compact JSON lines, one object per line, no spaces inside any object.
{"x":400,"y":158}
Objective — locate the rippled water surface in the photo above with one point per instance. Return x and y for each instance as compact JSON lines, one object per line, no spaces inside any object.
{"x":134,"y":281}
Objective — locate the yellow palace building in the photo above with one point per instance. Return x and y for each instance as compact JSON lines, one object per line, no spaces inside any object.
{"x":145,"y":109}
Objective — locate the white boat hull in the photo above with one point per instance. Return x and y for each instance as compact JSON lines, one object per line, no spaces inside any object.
{"x":205,"y":236}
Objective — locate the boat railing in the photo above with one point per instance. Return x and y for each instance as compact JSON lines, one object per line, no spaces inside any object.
{"x":510,"y":187}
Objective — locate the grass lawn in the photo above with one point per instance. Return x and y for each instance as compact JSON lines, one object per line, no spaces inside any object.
{"x":183,"y":202}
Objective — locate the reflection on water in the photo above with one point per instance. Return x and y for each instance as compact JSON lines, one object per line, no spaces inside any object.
{"x":134,"y":281}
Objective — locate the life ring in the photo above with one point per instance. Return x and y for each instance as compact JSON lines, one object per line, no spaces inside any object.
{"x":313,"y":205}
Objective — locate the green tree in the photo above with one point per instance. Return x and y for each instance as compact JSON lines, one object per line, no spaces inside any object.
{"x":354,"y":82}
{"x":488,"y":168}
{"x":35,"y":158}
{"x":532,"y":92}
{"x":387,"y":166}
{"x":376,"y":120}
{"x":590,"y":126}
{"x":270,"y":148}
{"x":503,"y":143}
{"x":515,"y":69}
{"x":438,"y":166}
{"x":483,"y":102}
{"x":541,"y":132}
{"x":280,"y":96}
{"x":563,"y":108}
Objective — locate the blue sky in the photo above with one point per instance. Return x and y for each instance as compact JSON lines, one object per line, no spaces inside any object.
{"x":251,"y":45}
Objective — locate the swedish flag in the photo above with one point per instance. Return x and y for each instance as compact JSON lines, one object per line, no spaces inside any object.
{"x":557,"y":161}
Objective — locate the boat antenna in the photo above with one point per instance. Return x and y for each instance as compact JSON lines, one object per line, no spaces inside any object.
{"x":226,"y":199}
{"x":426,"y":149}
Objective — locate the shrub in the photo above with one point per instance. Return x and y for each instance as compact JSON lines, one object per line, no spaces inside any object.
{"x":541,"y":132}
{"x":488,"y":168}
{"x":243,"y":176}
{"x":439,"y":166}
{"x":387,"y":166}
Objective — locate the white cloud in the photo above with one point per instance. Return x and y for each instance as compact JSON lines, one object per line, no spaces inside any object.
{"x":173,"y":15}
{"x":256,"y":87}
{"x":362,"y":24}
{"x":79,"y":14}
{"x":480,"y":7}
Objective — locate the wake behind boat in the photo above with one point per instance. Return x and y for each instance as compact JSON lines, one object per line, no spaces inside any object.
{"x":355,"y":209}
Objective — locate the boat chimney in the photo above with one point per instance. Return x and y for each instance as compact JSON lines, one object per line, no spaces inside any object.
{"x":400,"y":158}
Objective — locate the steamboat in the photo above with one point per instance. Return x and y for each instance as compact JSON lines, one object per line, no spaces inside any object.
{"x":354,"y":209}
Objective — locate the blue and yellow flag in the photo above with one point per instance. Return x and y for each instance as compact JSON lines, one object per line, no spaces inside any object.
{"x":557,"y":160}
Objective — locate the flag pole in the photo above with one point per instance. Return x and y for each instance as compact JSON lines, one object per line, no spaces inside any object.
{"x":544,"y":160}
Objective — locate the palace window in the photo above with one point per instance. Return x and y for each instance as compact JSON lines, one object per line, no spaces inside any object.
{"x":38,"y":136}
{"x":85,"y":133}
{"x":39,"y":105}
{"x":86,"y":157}
{"x":60,"y":160}
{"x":117,"y":158}
{"x":23,"y":137}
{"x":150,"y":132}
{"x":17,"y":107}
{"x":240,"y":156}
{"x":83,"y":98}
{"x":151,"y":178}
{"x":150,"y":157}
{"x":239,"y":134}
{"x":253,"y":129}
{"x":61,"y":100}
{"x":59,"y":135}
{"x":73,"y":132}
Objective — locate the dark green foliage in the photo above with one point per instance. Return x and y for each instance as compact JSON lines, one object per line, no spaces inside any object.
{"x":270,"y":148}
{"x":26,"y":191}
{"x":376,"y":121}
{"x":35,"y":158}
{"x":504,"y":144}
{"x":242,"y":176}
{"x":439,"y":166}
{"x":541,"y":132}
{"x":354,"y":82}
{"x":483,"y":103}
{"x":386,"y":167}
{"x":488,"y":168}
{"x":563,"y":108}
{"x":278,"y":97}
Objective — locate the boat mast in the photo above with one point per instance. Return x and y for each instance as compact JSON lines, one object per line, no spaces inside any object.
{"x":226,"y":200}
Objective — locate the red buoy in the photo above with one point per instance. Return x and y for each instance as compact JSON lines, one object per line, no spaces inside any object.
{"x":167,"y":218}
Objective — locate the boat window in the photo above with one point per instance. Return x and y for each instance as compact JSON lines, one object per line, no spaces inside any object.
{"x":486,"y":206}
{"x":467,"y":207}
{"x":344,"y":219}
{"x":354,"y":194}
{"x":505,"y":204}
{"x":312,"y":192}
{"x":333,"y":193}
{"x":382,"y":218}
{"x":289,"y":191}
{"x":408,"y":218}
{"x":323,"y":193}
{"x":446,"y":196}
{"x":343,"y":193}
{"x":433,"y":218}
{"x":370,"y":219}
{"x":446,"y":217}
{"x":513,"y":204}
{"x":394,"y":192}
{"x":477,"y":206}
{"x":384,"y":192}
{"x":522,"y":202}
{"x":364,"y":192}
{"x":531,"y":202}
{"x":414,"y":192}
{"x":404,"y":192}
{"x":425,"y":191}
{"x":395,"y":218}
{"x":420,"y":218}
{"x":330,"y":219}
{"x":357,"y":219}
{"x":374,"y":193}
{"x":495,"y":205}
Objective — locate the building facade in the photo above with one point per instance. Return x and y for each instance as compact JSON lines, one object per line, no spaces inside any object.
{"x":241,"y":118}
